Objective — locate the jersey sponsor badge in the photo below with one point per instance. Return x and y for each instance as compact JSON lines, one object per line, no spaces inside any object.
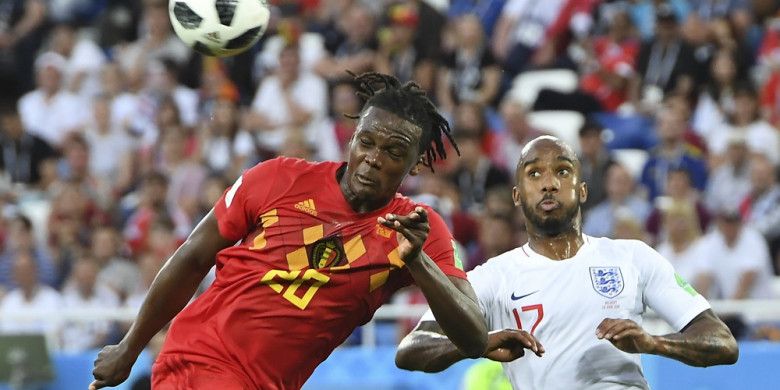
{"x":326,"y":252}
{"x":607,"y":281}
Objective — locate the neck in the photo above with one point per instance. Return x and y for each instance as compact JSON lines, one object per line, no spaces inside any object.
{"x":678,"y":243}
{"x":561,"y":246}
{"x":29,"y":292}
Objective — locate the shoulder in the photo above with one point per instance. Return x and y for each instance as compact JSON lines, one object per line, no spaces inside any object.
{"x":625,"y":248}
{"x":499,"y":265}
{"x":285,"y":165}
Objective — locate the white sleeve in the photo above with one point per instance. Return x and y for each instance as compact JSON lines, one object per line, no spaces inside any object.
{"x":484,"y":287}
{"x":667,"y":293}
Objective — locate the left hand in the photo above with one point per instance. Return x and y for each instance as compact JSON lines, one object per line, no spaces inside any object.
{"x":625,"y":335}
{"x":412,"y":231}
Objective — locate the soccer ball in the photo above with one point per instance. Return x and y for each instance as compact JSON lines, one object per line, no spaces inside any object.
{"x":219,"y":27}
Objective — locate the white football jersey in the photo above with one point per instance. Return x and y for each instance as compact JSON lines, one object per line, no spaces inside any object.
{"x":562,"y":302}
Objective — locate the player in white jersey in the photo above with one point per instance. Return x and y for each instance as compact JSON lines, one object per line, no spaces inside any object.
{"x":582,"y":297}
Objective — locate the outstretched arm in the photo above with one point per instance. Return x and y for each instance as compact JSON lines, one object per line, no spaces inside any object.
{"x":451,"y":299}
{"x":171,"y":290}
{"x":428,"y":349}
{"x":705,"y":341}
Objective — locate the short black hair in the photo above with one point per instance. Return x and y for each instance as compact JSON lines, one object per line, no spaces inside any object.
{"x":410,"y":102}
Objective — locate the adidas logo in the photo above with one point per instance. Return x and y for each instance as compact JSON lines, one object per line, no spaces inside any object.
{"x":307,"y":206}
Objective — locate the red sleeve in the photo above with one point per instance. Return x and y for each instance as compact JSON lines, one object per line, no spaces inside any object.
{"x":441,"y":248}
{"x":240,"y":206}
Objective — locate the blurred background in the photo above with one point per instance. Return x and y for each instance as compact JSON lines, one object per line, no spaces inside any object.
{"x":116,"y":139}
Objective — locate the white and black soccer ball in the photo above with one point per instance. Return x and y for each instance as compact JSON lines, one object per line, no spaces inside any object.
{"x":219,"y":27}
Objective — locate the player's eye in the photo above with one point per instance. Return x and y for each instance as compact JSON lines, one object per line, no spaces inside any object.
{"x":365,"y":141}
{"x":534,"y":174}
{"x":564,"y":172}
{"x":395,"y":153}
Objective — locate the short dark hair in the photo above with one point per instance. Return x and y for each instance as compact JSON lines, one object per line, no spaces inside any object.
{"x":410,"y":102}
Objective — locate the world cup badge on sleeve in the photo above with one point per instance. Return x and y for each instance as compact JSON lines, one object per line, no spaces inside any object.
{"x":607,"y":281}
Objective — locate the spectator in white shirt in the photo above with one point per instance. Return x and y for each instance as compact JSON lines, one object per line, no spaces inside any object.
{"x":84,"y":292}
{"x":84,"y":58}
{"x":680,"y":244}
{"x":730,"y":182}
{"x":738,"y":258}
{"x":110,"y":147}
{"x":30,"y":298}
{"x":290,"y":100}
{"x":49,"y":111}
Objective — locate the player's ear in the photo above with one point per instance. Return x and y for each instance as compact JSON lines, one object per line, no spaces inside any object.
{"x":418,"y":166}
{"x":516,"y":196}
{"x":583,"y":192}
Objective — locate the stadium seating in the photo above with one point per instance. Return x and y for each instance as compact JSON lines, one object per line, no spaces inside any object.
{"x":562,"y":124}
{"x":526,"y":86}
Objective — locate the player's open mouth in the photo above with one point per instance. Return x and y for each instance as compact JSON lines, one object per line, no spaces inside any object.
{"x":549,"y":205}
{"x":364,"y":180}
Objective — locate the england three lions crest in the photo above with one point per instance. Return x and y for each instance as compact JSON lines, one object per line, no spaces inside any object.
{"x":607,"y":281}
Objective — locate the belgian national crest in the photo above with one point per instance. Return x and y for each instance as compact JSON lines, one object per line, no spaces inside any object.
{"x":326,"y":252}
{"x":607,"y":281}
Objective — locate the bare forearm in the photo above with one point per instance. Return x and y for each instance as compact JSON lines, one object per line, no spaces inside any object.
{"x":427,"y":351}
{"x":458,"y":315}
{"x":171,"y":290}
{"x":706,"y":342}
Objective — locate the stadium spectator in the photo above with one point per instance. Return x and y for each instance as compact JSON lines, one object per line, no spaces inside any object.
{"x":22,"y":153}
{"x":760,"y":208}
{"x":50,"y":111}
{"x":111,"y":148}
{"x":738,"y":260}
{"x":622,"y":201}
{"x":516,"y":133}
{"x":22,"y":31}
{"x":290,"y":100}
{"x":606,"y":66}
{"x":155,"y":42}
{"x":84,"y":291}
{"x":30,"y":297}
{"x":716,"y":101}
{"x":469,"y":73}
{"x":729,"y":183}
{"x":114,"y":271}
{"x":532,"y":34}
{"x":397,"y":53}
{"x":83,"y":60}
{"x":20,"y":242}
{"x":344,"y":103}
{"x":746,"y":119}
{"x":678,"y":192}
{"x":595,"y":161}
{"x":681,"y":244}
{"x":474,"y":173}
{"x":225,"y":148}
{"x":672,"y":152}
{"x":495,"y":237}
{"x":665,"y":64}
{"x":356,"y":48}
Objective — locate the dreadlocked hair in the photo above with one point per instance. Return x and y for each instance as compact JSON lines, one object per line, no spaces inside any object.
{"x":410,"y":102}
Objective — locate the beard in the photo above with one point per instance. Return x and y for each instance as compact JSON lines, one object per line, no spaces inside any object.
{"x":551,"y":226}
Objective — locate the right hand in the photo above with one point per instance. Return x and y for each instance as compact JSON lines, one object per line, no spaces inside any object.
{"x":509,"y":344}
{"x":112,"y":366}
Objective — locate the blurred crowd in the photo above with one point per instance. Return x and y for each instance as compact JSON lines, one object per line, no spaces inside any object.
{"x":116,"y":138}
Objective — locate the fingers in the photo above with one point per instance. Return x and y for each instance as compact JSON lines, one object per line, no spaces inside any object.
{"x":415,"y":220}
{"x":97,"y":384}
{"x":530,"y":342}
{"x":627,"y":332}
{"x":610,"y":327}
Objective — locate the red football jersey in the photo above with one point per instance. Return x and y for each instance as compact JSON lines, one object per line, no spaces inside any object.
{"x":306,"y":272}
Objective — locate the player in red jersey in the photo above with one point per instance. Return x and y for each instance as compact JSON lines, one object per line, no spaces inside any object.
{"x":320,"y":247}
